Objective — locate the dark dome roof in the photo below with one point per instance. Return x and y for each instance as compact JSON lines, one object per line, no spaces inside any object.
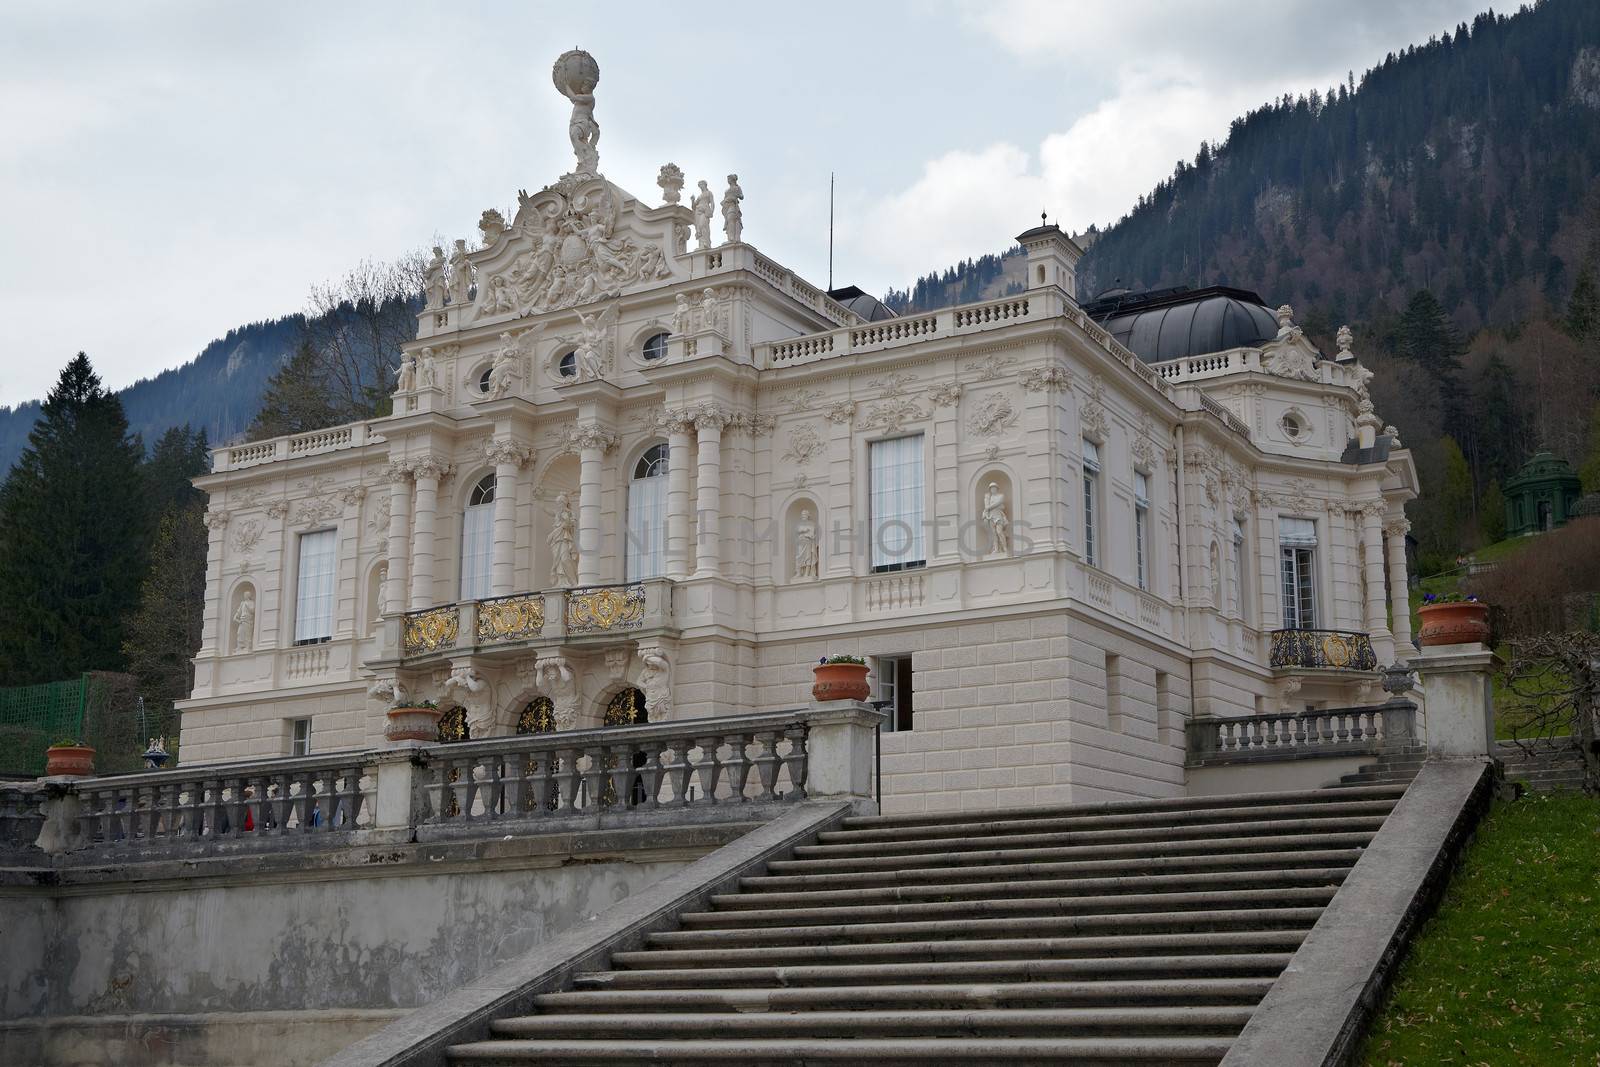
{"x":1174,"y":323}
{"x":862,"y":303}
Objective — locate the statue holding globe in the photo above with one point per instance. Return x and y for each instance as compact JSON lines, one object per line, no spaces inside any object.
{"x":576,"y":74}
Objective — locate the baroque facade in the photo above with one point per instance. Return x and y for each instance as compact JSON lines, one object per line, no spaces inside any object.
{"x":638,"y":469}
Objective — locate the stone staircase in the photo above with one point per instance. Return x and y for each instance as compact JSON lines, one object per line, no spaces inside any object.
{"x":1397,"y":767}
{"x":1139,"y":932}
{"x":1552,"y":765}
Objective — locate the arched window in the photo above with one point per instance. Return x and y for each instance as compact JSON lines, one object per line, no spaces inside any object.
{"x":647,"y":516}
{"x":655,"y":347}
{"x":567,"y":365}
{"x":477,"y":540}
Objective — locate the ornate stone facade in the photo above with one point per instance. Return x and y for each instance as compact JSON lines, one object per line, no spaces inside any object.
{"x":620,"y":462}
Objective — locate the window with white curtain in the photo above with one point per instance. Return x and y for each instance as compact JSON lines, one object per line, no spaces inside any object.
{"x":477,"y":541}
{"x":895,"y":488}
{"x":1091,"y":502}
{"x":1297,"y":551}
{"x":646,"y":551}
{"x":313,"y":605}
{"x":1141,"y":526}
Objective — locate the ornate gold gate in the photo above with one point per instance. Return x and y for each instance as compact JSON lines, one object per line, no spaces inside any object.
{"x":626,"y":708}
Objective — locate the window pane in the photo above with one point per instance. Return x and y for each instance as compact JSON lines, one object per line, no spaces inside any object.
{"x":1139,"y":523}
{"x":895,"y":505}
{"x":1090,"y":549}
{"x":646,"y":550}
{"x":313,"y":614}
{"x":477,"y":551}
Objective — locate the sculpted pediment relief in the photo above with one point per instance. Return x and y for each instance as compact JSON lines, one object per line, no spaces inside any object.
{"x":574,"y":243}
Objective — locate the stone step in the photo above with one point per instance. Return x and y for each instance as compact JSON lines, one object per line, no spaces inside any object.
{"x":1368,"y":777}
{"x":758,"y":899}
{"x":1053,"y":825}
{"x":1258,"y":834}
{"x":1043,"y":926}
{"x":1293,"y":896}
{"x":1120,"y":861}
{"x":1263,"y":939}
{"x":1111,"y":828}
{"x":928,"y":996}
{"x":1057,"y":1022}
{"x":1241,"y":800}
{"x":1152,"y":965}
{"x":1014,"y":1052}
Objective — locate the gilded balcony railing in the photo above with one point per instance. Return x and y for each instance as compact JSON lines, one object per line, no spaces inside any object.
{"x":604,"y":609}
{"x":518,"y":617}
{"x":1340,"y":650}
{"x":431,"y":630}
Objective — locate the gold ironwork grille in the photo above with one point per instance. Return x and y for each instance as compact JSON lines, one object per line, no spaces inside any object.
{"x":431,"y":630}
{"x":607,"y":609}
{"x":626,"y":708}
{"x":510,"y":618}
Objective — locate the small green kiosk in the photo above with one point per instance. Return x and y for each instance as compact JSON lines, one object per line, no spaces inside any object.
{"x":1541,"y":496}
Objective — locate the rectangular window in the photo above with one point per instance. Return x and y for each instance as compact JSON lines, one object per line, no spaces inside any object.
{"x":1141,"y":525}
{"x":1091,"y":493}
{"x":477,"y":551}
{"x":646,"y":551}
{"x":313,"y":606}
{"x":1239,"y":568}
{"x":894,"y":690}
{"x":1297,"y":549}
{"x":300,"y":737}
{"x":895,"y":489}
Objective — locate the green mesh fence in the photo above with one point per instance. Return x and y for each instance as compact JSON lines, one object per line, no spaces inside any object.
{"x":100,"y":708}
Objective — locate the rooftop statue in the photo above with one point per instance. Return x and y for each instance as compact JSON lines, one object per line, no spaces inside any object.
{"x":575,"y":75}
{"x":732,"y":213}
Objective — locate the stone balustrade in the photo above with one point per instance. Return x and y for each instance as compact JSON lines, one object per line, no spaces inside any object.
{"x":732,"y":767}
{"x":1302,"y":735}
{"x":294,"y":446}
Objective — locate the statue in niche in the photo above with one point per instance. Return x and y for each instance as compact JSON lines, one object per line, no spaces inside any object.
{"x":576,"y":75}
{"x":999,"y":523}
{"x":702,"y":205}
{"x":435,"y":286}
{"x":563,"y":544}
{"x":460,"y":274}
{"x":506,"y":372}
{"x":732,"y":214}
{"x":805,"y":546}
{"x":710,"y":310}
{"x":406,"y":376}
{"x":244,"y":623}
{"x":430,"y":370}
{"x":681,"y":315}
{"x":655,"y":679}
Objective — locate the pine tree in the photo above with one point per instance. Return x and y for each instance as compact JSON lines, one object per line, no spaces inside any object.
{"x":1492,"y":513}
{"x":1583,"y":309}
{"x":180,"y":456}
{"x":296,"y":399}
{"x":163,"y":633}
{"x":1590,"y":471}
{"x":73,"y":530}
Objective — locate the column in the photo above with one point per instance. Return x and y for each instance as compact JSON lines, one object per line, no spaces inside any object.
{"x":427,"y":471}
{"x":679,"y":427}
{"x":394,"y":591}
{"x":593,"y":443}
{"x":216,"y":619}
{"x":1372,"y":542}
{"x":508,"y":458}
{"x":1395,"y":531}
{"x":708,"y":533}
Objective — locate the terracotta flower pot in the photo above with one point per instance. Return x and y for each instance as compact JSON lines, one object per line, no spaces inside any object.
{"x":412,"y":724}
{"x":76,"y":760}
{"x":1454,"y":623}
{"x":840,"y":681}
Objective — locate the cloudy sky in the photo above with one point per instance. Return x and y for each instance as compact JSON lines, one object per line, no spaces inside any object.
{"x":173,"y":168}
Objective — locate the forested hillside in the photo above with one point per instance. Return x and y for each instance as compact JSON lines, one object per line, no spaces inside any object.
{"x":1446,"y":205}
{"x":219,"y":391}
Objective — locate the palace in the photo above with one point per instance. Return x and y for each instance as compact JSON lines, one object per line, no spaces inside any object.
{"x":638,"y":470}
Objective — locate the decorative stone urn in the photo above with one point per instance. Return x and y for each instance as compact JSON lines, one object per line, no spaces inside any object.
{"x":1453,"y":623}
{"x":412,"y":723}
{"x":839,"y":681}
{"x":74,"y":760}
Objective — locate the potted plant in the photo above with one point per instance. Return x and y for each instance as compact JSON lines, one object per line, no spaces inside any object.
{"x":69,"y":756}
{"x":840,"y":678}
{"x":1452,"y":619}
{"x":415,"y":720}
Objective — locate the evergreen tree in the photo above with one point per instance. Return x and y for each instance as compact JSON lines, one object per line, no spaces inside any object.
{"x":1492,"y":514}
{"x":73,"y":530}
{"x":1590,"y":470}
{"x":180,"y":456}
{"x":296,"y":400}
{"x":1429,"y":339}
{"x":1583,"y":309}
{"x":163,"y":633}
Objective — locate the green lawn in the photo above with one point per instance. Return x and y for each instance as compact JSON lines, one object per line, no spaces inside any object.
{"x":1508,"y":971}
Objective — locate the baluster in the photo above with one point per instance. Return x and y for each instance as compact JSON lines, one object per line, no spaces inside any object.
{"x":679,"y":772}
{"x":653,"y":775}
{"x":594,"y":778}
{"x":708,"y":768}
{"x":738,"y":765}
{"x":514,"y":785}
{"x":795,"y":760}
{"x":767,"y":764}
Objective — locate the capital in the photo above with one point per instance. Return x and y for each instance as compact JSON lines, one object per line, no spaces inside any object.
{"x":217,"y":520}
{"x":592,"y":435}
{"x":680,"y":420}
{"x":504,"y":450}
{"x":398,"y":471}
{"x":430,"y":467}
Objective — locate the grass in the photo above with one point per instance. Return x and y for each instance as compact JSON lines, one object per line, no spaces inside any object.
{"x":1508,"y":971}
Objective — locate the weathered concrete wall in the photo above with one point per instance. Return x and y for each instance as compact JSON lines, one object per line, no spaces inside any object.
{"x":1268,"y":776}
{"x":361,"y":932}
